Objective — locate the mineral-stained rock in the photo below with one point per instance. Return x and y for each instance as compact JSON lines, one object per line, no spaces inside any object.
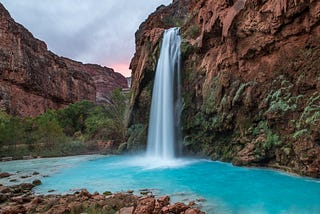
{"x":175,"y":208}
{"x":33,"y":79}
{"x":250,"y":70}
{"x":163,"y":201}
{"x":193,"y":211}
{"x":160,"y":203}
{"x":145,"y":205}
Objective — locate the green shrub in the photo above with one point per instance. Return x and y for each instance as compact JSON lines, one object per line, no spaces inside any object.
{"x":300,"y":133}
{"x":72,"y":130}
{"x":72,"y":117}
{"x":96,"y":124}
{"x":48,"y":132}
{"x":272,"y":139}
{"x":311,"y":113}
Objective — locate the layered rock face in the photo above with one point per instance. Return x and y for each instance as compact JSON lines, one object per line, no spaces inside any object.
{"x":104,"y":79}
{"x":33,"y":79}
{"x":251,"y":79}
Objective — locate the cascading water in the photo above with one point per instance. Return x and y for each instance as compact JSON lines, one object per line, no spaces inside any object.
{"x":164,"y":135}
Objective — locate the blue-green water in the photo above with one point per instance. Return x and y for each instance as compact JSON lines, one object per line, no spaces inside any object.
{"x":227,"y":189}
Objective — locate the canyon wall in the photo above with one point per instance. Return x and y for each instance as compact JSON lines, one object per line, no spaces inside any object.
{"x":251,"y":80}
{"x":33,"y":79}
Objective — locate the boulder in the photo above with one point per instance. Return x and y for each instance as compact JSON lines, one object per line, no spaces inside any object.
{"x":175,"y":208}
{"x":193,"y":211}
{"x":36,"y":182}
{"x":25,"y":186}
{"x":145,"y":205}
{"x":3,"y":198}
{"x":4,"y":174}
{"x":126,"y":210}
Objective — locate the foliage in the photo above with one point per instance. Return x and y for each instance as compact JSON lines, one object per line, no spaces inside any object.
{"x":72,"y":118}
{"x":282,"y":100}
{"x":239,"y":92}
{"x":117,"y":113}
{"x":272,"y":139}
{"x":300,"y":133}
{"x":10,"y":130}
{"x":309,"y":120}
{"x":311,"y":113}
{"x":47,"y":131}
{"x":66,"y":131}
{"x":96,"y":124}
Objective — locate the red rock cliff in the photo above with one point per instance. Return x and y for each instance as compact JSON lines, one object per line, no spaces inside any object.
{"x":251,"y":79}
{"x":33,"y":79}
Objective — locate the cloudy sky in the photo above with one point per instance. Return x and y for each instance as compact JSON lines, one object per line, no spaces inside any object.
{"x":90,"y":31}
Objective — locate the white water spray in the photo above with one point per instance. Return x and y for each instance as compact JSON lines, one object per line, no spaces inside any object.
{"x":164,"y":135}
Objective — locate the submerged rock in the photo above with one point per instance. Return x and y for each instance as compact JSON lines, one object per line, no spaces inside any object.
{"x":36,"y":182}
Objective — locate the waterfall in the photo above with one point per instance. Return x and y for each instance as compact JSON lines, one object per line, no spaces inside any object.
{"x":164,"y":134}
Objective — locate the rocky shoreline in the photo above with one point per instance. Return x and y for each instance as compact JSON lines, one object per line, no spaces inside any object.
{"x":21,"y":199}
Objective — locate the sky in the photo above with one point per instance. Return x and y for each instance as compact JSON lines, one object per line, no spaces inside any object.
{"x":90,"y":31}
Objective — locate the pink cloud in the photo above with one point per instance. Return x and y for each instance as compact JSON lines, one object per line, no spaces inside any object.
{"x":121,"y":68}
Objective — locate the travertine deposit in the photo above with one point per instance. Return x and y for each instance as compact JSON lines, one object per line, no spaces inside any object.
{"x":251,"y":80}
